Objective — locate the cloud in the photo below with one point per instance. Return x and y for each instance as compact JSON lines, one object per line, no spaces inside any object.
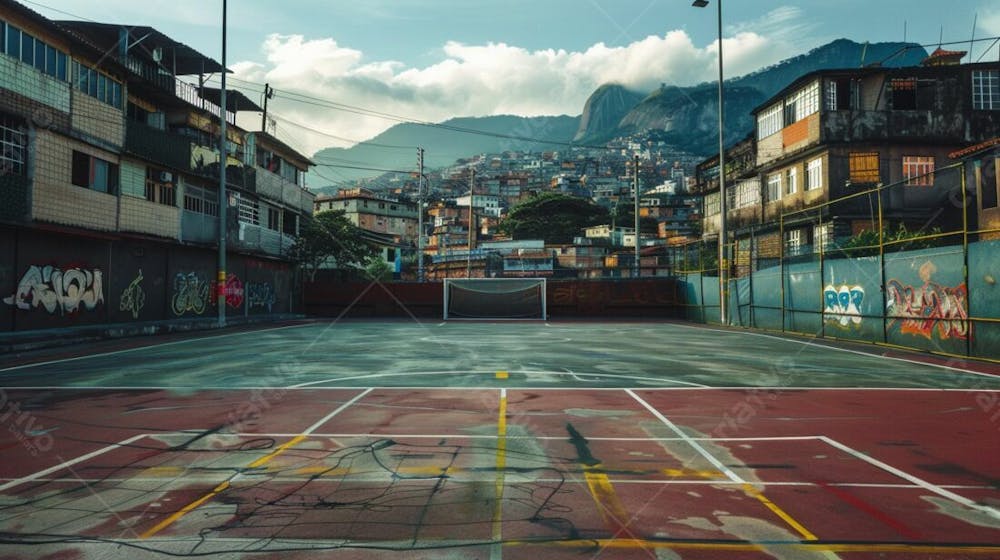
{"x":486,"y":79}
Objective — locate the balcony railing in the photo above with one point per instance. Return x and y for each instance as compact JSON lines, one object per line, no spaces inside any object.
{"x":168,"y":82}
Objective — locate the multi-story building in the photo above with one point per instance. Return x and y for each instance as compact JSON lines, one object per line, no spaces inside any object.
{"x":110,"y":173}
{"x":834,"y":133}
{"x":374,"y":213}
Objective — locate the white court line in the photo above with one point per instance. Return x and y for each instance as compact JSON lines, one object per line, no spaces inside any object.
{"x":308,"y":431}
{"x":962,"y":500}
{"x":832,"y":347}
{"x":510,"y":388}
{"x":70,"y":463}
{"x":699,"y":481}
{"x":490,"y":372}
{"x":490,"y":436}
{"x":690,"y":441}
{"x":149,"y":347}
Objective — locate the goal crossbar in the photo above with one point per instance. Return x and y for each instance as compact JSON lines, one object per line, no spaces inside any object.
{"x":495,"y":298}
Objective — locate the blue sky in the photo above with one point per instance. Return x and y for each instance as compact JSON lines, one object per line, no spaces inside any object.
{"x":435,"y":59}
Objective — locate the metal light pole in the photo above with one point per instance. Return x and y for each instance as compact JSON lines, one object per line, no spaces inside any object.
{"x":635,"y":200}
{"x":420,"y":215}
{"x":723,"y":263}
{"x":220,"y":289}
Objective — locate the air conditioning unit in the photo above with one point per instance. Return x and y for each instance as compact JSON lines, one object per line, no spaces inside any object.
{"x":166,"y":177}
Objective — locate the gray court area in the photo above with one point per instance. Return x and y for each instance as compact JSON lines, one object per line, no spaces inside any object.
{"x":475,"y":354}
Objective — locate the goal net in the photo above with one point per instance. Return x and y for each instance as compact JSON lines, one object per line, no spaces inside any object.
{"x":494,"y":298}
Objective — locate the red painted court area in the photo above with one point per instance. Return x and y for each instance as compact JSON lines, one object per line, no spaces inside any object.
{"x":501,"y":473}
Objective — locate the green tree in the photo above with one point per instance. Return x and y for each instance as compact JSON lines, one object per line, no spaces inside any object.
{"x":624,"y":216}
{"x":554,"y":217}
{"x":378,"y":269}
{"x":330,"y":235}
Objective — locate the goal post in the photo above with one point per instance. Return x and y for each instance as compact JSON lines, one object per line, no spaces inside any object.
{"x":495,"y":298}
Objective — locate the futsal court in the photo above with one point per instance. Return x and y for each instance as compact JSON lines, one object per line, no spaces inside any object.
{"x":419,"y":440}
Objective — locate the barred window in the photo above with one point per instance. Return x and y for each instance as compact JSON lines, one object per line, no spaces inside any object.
{"x":248,"y":210}
{"x":160,"y":187}
{"x":918,"y":171}
{"x":200,"y":200}
{"x":13,"y":146}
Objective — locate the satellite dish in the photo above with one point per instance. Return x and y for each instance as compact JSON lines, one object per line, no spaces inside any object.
{"x":157,"y":54}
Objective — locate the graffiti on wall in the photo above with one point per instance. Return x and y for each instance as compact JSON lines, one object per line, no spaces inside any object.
{"x":260,"y":294}
{"x":920,"y":310}
{"x":842,"y":305}
{"x":133,"y":297}
{"x":232,"y":291}
{"x":54,"y":289}
{"x":190,"y":294}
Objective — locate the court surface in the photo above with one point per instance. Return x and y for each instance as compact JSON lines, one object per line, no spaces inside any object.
{"x":370,"y":440}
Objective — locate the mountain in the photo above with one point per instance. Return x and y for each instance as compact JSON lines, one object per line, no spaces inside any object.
{"x":688,"y":116}
{"x":605,"y":108}
{"x":443,"y":144}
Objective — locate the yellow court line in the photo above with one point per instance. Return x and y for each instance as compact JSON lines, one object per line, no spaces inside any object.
{"x":754,"y":492}
{"x":183,"y":511}
{"x":604,"y":495}
{"x":587,"y":544}
{"x":501,"y":466}
{"x":502,"y":375}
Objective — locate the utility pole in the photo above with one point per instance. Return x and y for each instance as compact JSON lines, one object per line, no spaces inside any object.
{"x":220,"y":289}
{"x":420,"y":214}
{"x":635,"y":193}
{"x":472,"y":219}
{"x":268,"y":94}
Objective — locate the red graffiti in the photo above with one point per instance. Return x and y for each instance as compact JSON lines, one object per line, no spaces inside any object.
{"x":921,"y":310}
{"x":233,"y":291}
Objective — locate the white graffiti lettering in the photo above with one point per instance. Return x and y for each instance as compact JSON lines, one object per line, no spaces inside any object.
{"x":55,"y":289}
{"x":842,"y":306}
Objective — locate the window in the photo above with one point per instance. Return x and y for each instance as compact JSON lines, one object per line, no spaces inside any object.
{"x":94,"y":173}
{"x":13,"y":41}
{"x":273,"y":219}
{"x":248,"y":210}
{"x":792,"y":181}
{"x":747,"y":194}
{"x":97,"y":85}
{"x":769,"y":122}
{"x":814,"y":174}
{"x":712,"y":204}
{"x":160,"y":187}
{"x":795,"y":241}
{"x":804,"y":103}
{"x":864,"y":167}
{"x":13,"y":146}
{"x":290,"y":225}
{"x":822,"y":237}
{"x":774,"y":187}
{"x":27,"y":49}
{"x":918,"y":171}
{"x":201,"y":200}
{"x":986,"y":89}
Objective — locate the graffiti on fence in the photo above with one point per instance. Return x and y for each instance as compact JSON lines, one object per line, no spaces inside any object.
{"x":54,"y":289}
{"x":133,"y":297}
{"x":920,"y":310}
{"x":260,"y":294}
{"x":190,"y":294}
{"x":233,"y":291}
{"x":842,"y":305}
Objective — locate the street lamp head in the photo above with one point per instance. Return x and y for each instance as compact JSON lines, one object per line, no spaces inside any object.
{"x":699,"y":3}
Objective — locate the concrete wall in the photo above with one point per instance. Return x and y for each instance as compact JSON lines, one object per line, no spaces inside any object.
{"x":56,"y":199}
{"x":51,"y":280}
